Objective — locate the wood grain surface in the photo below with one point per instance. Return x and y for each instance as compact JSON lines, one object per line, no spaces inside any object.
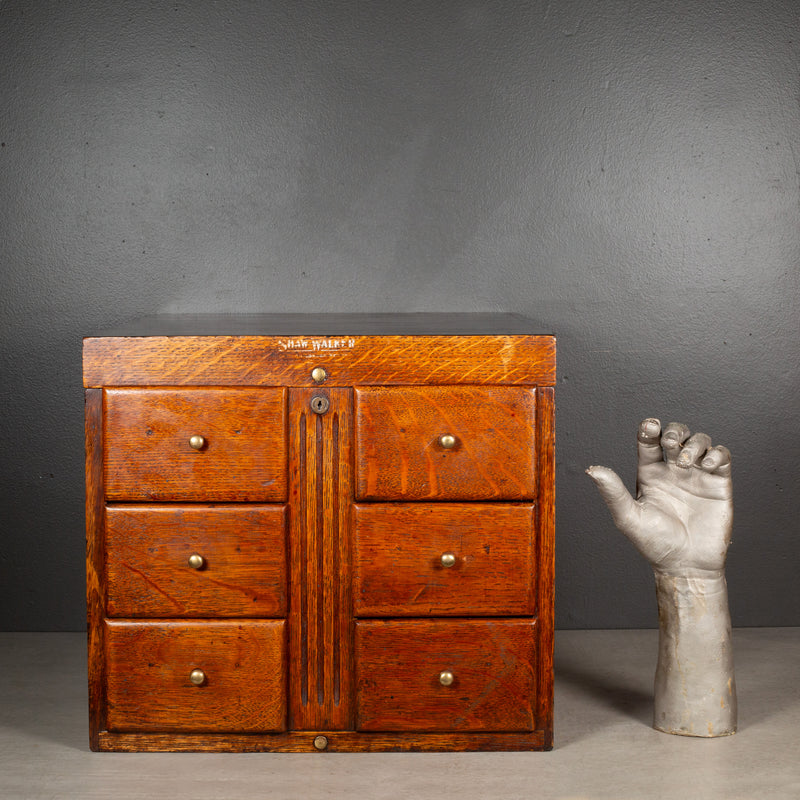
{"x":399,"y":456}
{"x":545,"y":573}
{"x":398,"y":665}
{"x":243,"y":547}
{"x":148,"y":456}
{"x":95,"y":563}
{"x":398,"y":569}
{"x":320,"y":624}
{"x":149,"y":664}
{"x":289,"y":360}
{"x":338,"y":742}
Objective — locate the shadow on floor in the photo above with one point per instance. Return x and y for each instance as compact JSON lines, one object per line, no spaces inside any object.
{"x":44,"y":695}
{"x":593,"y":683}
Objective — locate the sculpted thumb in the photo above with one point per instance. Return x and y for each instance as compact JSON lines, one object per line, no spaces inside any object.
{"x":622,"y":506}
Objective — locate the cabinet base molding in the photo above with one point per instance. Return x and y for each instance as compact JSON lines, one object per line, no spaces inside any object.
{"x":337,"y":742}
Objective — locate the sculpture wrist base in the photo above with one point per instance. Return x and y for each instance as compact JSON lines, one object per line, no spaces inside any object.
{"x":695,"y":690}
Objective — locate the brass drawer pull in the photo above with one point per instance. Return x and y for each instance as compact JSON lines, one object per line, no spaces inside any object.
{"x":196,"y":561}
{"x":446,"y":678}
{"x":197,"y":442}
{"x":448,"y":559}
{"x":318,"y":374}
{"x":197,"y":677}
{"x":447,"y":441}
{"x":320,"y":742}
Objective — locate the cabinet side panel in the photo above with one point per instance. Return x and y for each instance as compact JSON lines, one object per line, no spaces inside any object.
{"x":95,"y":561}
{"x":320,"y":622}
{"x":546,"y":557}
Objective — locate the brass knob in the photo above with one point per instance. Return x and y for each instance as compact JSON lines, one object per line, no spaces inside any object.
{"x":197,"y":677}
{"x":196,"y":561}
{"x":448,"y":441}
{"x":321,"y":742}
{"x":448,"y":559}
{"x":318,"y":374}
{"x":446,"y":678}
{"x":197,"y":442}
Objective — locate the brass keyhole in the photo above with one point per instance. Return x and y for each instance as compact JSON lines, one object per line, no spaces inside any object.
{"x":320,"y":404}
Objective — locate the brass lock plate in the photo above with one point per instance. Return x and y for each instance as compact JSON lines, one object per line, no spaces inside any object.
{"x":320,"y":404}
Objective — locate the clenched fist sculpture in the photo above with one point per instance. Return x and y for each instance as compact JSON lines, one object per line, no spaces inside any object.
{"x":681,"y":523}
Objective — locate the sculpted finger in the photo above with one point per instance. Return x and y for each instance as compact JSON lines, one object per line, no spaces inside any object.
{"x":649,"y":439}
{"x":717,"y":460}
{"x":693,"y":450}
{"x":624,"y":509}
{"x":672,"y":439}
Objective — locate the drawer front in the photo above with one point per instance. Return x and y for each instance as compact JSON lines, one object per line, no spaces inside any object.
{"x":237,"y":566}
{"x":445,"y":443}
{"x":150,"y":666}
{"x":437,"y":675}
{"x":443,"y":559}
{"x":240,"y":455}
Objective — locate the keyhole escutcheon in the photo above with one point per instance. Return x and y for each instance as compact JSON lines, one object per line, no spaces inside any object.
{"x":320,"y":404}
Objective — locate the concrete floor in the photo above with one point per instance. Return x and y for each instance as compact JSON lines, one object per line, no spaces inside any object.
{"x":604,"y":745}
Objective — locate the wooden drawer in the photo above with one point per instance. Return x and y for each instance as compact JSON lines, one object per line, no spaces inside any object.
{"x":443,"y":559}
{"x":400,"y":454}
{"x":149,"y":665}
{"x":400,"y":666}
{"x":148,"y":455}
{"x":242,"y":572}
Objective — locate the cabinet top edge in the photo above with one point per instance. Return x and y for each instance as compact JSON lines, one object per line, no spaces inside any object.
{"x":326,"y":325}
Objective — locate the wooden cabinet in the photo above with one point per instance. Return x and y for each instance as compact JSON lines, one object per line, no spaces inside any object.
{"x":327,"y":532}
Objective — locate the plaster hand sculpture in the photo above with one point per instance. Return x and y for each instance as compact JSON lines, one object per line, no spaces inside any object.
{"x":681,"y":523}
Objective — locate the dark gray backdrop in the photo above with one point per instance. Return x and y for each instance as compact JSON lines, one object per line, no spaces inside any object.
{"x":625,"y":174}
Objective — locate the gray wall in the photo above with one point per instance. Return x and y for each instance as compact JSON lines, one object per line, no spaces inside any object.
{"x":625,"y":174}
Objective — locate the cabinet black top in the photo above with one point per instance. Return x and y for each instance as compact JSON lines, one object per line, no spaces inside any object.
{"x":419,"y":324}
